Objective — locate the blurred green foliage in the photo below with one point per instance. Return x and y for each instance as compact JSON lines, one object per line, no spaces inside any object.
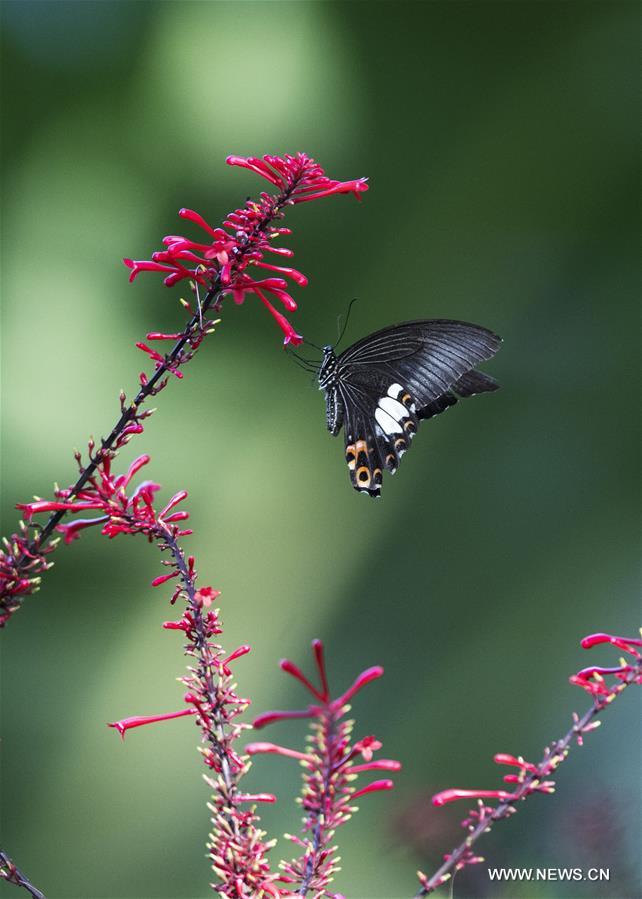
{"x":501,"y":142}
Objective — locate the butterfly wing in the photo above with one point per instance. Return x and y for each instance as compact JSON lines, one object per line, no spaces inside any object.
{"x":389,"y":381}
{"x":377,"y":431}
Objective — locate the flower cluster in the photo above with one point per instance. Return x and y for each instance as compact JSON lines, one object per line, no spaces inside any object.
{"x":237,"y":847}
{"x":221,"y":264}
{"x":604,"y":685}
{"x":22,"y":562}
{"x":597,"y":681}
{"x":23,"y":557}
{"x":120,"y":512}
{"x":331,"y":763}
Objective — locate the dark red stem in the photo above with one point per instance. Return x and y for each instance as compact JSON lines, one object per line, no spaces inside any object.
{"x":320,"y":816}
{"x":205,"y":676}
{"x":12,"y":874}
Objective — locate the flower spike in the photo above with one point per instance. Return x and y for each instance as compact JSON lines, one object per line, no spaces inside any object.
{"x":329,"y":772}
{"x":221,"y":265}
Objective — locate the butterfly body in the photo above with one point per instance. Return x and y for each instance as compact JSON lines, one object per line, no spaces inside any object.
{"x":381,"y":387}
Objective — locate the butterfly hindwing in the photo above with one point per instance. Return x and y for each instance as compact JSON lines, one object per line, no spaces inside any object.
{"x":362,"y":454}
{"x":384,"y":384}
{"x":378,"y":428}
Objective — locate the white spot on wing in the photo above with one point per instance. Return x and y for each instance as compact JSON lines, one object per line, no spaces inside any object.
{"x":387,"y":422}
{"x":394,"y":390}
{"x":393,"y":407}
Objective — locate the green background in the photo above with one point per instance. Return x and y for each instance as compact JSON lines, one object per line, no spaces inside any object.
{"x":500,"y":140}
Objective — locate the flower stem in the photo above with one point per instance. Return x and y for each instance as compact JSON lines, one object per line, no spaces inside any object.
{"x":129,"y":415}
{"x":312,"y":861}
{"x":215,"y":734}
{"x":12,"y":874}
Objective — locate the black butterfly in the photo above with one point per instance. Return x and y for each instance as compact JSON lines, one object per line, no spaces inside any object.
{"x":384,"y":384}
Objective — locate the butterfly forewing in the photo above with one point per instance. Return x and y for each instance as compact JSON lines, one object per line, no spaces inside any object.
{"x":381,"y":386}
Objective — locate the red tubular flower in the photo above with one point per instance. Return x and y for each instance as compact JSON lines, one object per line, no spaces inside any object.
{"x":627,"y":644}
{"x":329,"y":772}
{"x":141,"y":720}
{"x":293,"y":670}
{"x":452,"y":795}
{"x":375,"y":787}
{"x":377,"y":765}
{"x":221,"y":264}
{"x":237,"y":654}
{"x":594,"y":679}
{"x":255,"y":797}
{"x":274,"y":748}
{"x":364,"y":678}
{"x":502,"y":758}
{"x":35,"y":508}
{"x":273,"y":717}
{"x":71,"y":530}
{"x":162,"y":578}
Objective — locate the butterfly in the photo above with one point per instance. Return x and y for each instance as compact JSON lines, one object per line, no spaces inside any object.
{"x":381,"y":387}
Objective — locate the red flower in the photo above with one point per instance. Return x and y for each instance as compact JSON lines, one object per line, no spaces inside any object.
{"x":220,"y":263}
{"x":22,"y":562}
{"x":206,"y":596}
{"x":141,"y":720}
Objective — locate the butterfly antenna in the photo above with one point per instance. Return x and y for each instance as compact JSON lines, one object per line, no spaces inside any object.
{"x":345,"y":324}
